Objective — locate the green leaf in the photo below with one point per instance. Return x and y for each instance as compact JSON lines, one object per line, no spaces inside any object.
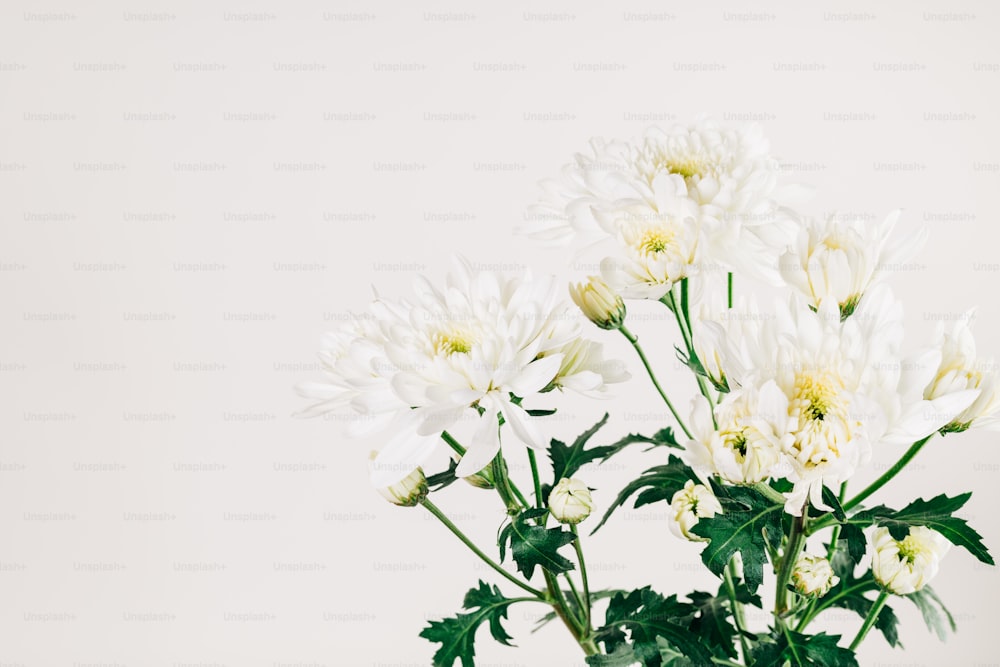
{"x":658,"y":483}
{"x":532,"y":545}
{"x":853,"y":539}
{"x":568,"y":459}
{"x":646,"y":615}
{"x":748,"y":525}
{"x":936,"y":514}
{"x":442,"y":479}
{"x":457,"y":635}
{"x":711,"y":621}
{"x":798,"y":650}
{"x":830,"y":500}
{"x":623,"y":656}
{"x":670,"y":656}
{"x":817,"y":651}
{"x":933,"y":610}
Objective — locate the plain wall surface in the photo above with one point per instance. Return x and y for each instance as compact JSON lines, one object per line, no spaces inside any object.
{"x":192,"y":193}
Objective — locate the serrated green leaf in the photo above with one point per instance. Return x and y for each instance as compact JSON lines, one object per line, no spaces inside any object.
{"x":748,"y":526}
{"x":442,"y":479}
{"x":936,"y":514}
{"x":817,"y":651}
{"x":798,"y":650}
{"x":711,"y":621}
{"x":457,"y":635}
{"x":933,"y":611}
{"x":623,"y":656}
{"x":532,"y":545}
{"x":853,"y":538}
{"x":568,"y":459}
{"x":657,"y":483}
{"x":646,"y":615}
{"x":670,"y":656}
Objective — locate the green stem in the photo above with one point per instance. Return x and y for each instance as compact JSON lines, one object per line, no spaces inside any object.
{"x":729,"y":290}
{"x":827,"y":602}
{"x":580,"y":617}
{"x":796,"y":540}
{"x":534,"y":477}
{"x":634,"y":340}
{"x":889,"y":474}
{"x":730,"y":577}
{"x":454,"y":444}
{"x":583,"y":576}
{"x":765,"y":489}
{"x":684,"y":324}
{"x":870,"y":619}
{"x":558,"y":600}
{"x":503,"y":486}
{"x":433,"y":509}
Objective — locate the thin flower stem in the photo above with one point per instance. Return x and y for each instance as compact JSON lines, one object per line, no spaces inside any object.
{"x":580,"y":616}
{"x":504,"y":487}
{"x":534,"y":478}
{"x":583,"y":576}
{"x":870,"y":619}
{"x":558,"y":600}
{"x":730,"y":577}
{"x":764,"y":489}
{"x":796,"y":540}
{"x":889,"y":474}
{"x":433,"y":509}
{"x":453,"y":443}
{"x":634,"y":340}
{"x":729,"y":290}
{"x":684,"y":324}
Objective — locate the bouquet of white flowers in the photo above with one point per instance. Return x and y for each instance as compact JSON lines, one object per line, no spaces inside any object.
{"x":791,"y":400}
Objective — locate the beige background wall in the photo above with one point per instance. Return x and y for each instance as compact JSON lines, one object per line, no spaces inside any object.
{"x":193,"y":192}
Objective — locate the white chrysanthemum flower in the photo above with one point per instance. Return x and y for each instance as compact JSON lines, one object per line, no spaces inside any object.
{"x":693,"y":502}
{"x":598,"y":302}
{"x":418,"y":367}
{"x":570,"y":501}
{"x":749,"y":442}
{"x":727,"y":174}
{"x":813,"y":575}
{"x":905,"y":566}
{"x":840,"y":258}
{"x":844,"y":387}
{"x":657,"y":247}
{"x":961,"y":370}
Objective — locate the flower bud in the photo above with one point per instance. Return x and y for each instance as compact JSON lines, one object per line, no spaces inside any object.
{"x":962,"y":370}
{"x":693,"y":502}
{"x":408,"y":491}
{"x":482,"y":479}
{"x":599,"y":302}
{"x":570,"y":501}
{"x":814,"y":576}
{"x":905,"y":566}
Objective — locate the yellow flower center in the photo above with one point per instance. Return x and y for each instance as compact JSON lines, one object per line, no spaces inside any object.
{"x":447,"y":343}
{"x":686,"y":166}
{"x":908,"y":549}
{"x":655,"y":241}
